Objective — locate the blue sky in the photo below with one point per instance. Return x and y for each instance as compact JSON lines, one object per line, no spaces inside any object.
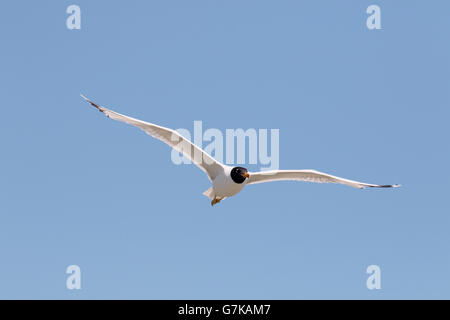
{"x":78,"y":188}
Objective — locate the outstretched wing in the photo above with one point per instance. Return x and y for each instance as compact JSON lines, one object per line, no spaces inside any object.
{"x":200,"y":158}
{"x":308,"y":175}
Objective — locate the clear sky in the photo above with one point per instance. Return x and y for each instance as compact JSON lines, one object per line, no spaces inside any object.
{"x":80,"y":189}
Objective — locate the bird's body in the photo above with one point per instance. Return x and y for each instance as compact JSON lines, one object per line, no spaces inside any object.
{"x":224,"y":186}
{"x":226,"y":181}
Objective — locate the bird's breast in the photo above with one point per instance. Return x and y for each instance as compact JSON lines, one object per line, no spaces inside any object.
{"x":225,"y":187}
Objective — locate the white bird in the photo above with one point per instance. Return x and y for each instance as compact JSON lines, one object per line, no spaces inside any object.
{"x":226,"y":180}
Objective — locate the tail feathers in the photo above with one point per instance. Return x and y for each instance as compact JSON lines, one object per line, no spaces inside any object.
{"x":210,"y":193}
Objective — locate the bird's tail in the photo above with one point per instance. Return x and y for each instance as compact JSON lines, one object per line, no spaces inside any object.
{"x":210,"y":193}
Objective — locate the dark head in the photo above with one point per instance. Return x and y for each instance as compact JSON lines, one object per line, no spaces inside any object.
{"x":239,"y":174}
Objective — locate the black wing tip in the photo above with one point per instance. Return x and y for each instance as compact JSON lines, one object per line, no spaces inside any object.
{"x":99,"y":108}
{"x":386,"y":186}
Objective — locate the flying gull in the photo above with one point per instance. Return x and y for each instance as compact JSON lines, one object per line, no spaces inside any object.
{"x":227,"y":180}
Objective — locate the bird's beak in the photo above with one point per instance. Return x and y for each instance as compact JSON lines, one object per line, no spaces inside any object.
{"x":246,"y":175}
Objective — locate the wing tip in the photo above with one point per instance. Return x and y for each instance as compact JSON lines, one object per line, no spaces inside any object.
{"x":386,"y":186}
{"x":99,"y":108}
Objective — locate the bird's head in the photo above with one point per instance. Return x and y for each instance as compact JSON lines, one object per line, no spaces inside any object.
{"x":239,"y":174}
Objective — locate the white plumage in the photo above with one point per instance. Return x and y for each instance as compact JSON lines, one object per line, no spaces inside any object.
{"x":226,"y":180}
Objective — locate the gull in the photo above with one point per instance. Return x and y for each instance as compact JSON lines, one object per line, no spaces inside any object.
{"x":226,"y":180}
